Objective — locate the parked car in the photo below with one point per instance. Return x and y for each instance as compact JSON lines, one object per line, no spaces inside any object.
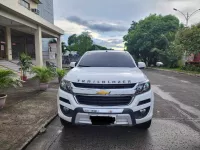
{"x":106,"y":88}
{"x":72,"y":65}
{"x":142,"y":65}
{"x":159,"y":64}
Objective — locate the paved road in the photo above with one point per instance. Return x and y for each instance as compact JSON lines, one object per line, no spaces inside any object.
{"x":176,"y":123}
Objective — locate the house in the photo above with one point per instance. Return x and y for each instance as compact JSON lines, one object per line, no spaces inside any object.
{"x":27,"y":26}
{"x":193,"y":59}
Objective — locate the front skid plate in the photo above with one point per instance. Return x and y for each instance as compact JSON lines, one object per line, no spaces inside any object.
{"x":126,"y":117}
{"x":120,"y":119}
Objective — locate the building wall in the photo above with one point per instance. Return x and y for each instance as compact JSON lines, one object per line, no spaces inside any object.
{"x":46,"y":10}
{"x":45,"y":44}
{"x":32,"y":4}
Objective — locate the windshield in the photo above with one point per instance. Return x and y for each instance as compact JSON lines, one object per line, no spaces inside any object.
{"x":106,"y":59}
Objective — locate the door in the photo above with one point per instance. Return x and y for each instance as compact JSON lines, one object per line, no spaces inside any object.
{"x":2,"y":50}
{"x":2,"y":43}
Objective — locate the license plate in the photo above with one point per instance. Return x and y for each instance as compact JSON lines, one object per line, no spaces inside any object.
{"x":102,"y":120}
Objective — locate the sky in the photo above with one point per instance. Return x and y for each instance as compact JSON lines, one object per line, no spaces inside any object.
{"x":108,"y":20}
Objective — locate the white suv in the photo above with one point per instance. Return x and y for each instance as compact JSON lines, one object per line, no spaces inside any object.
{"x":106,"y":88}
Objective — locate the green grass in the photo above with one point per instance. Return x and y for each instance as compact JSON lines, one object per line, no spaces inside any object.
{"x":179,"y":70}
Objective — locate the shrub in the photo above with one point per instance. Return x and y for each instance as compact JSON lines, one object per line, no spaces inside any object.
{"x":25,"y":63}
{"x":8,"y":78}
{"x":43,"y":74}
{"x":61,"y":72}
{"x":183,"y":67}
{"x":190,"y":67}
{"x":171,"y":57}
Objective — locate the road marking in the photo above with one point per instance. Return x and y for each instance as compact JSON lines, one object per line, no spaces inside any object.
{"x":163,"y":75}
{"x":171,"y":77}
{"x":59,"y":131}
{"x":192,"y":110}
{"x":167,"y":96}
{"x":185,"y":81}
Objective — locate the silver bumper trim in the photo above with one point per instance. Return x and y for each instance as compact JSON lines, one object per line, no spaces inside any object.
{"x":103,"y":110}
{"x":120,"y":119}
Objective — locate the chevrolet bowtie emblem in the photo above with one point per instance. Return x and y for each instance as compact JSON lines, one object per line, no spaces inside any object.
{"x":102,"y":92}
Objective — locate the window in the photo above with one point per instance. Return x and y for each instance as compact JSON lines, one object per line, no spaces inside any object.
{"x":107,"y":59}
{"x":24,"y":3}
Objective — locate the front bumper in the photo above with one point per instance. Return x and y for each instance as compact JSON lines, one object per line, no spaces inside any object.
{"x":129,"y":115}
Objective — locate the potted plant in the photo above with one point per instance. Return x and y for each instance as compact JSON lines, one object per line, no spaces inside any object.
{"x":44,"y":75}
{"x":7,"y":79}
{"x":60,"y":73}
{"x":25,"y":63}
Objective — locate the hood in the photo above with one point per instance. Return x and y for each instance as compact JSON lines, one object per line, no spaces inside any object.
{"x":98,"y":75}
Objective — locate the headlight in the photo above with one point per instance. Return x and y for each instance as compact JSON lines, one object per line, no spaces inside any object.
{"x":66,"y":86}
{"x":142,"y":88}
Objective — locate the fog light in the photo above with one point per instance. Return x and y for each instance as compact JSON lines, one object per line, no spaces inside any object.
{"x":65,"y":109}
{"x":143,"y":111}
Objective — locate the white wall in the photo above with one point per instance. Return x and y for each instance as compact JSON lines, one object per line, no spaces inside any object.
{"x":32,"y":19}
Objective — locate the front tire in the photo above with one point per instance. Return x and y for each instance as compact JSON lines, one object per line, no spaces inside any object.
{"x":144,"y":125}
{"x":65,"y":123}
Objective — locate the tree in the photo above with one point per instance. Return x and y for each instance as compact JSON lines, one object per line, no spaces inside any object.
{"x":98,"y":47}
{"x":72,"y":39}
{"x":64,"y":48}
{"x":154,"y":32}
{"x":133,"y":26}
{"x":81,"y":43}
{"x":52,"y":41}
{"x":171,"y":58}
{"x":85,"y":42}
{"x":190,"y":39}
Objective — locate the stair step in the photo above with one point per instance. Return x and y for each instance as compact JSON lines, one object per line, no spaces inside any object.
{"x":12,"y":66}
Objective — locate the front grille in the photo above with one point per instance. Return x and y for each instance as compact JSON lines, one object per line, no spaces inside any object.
{"x":104,"y":86}
{"x":104,"y":100}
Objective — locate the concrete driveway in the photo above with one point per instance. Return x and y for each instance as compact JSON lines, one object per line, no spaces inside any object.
{"x":176,"y":122}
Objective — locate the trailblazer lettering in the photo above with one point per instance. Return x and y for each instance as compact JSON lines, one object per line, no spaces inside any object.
{"x":104,"y":82}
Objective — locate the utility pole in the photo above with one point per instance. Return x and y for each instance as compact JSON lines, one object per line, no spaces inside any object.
{"x":187,"y":16}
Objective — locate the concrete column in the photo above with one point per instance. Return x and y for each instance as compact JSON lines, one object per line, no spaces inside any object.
{"x":38,"y":47}
{"x":59,"y":53}
{"x":8,"y":44}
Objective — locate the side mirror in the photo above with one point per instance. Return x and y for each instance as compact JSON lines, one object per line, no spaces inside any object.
{"x":141,"y":65}
{"x":72,"y":65}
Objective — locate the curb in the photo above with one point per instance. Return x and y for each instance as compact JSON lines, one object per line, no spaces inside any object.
{"x":190,"y":74}
{"x":37,"y":132}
